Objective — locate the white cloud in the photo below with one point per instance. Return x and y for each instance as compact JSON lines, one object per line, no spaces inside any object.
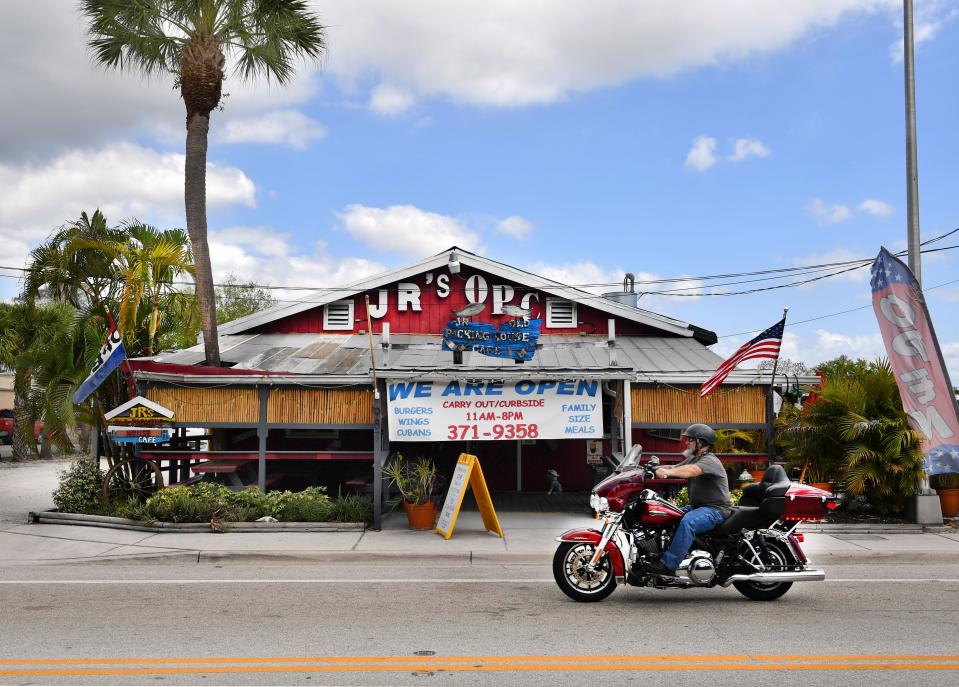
{"x":825,"y":213}
{"x":63,"y":100}
{"x":284,"y":127}
{"x":390,"y":101}
{"x":702,"y":155}
{"x":595,"y":279}
{"x":878,"y":208}
{"x":122,"y":180}
{"x":507,"y":53}
{"x":928,"y":18}
{"x":748,"y":147}
{"x":406,"y":230}
{"x":515,"y":226}
{"x":266,"y":256}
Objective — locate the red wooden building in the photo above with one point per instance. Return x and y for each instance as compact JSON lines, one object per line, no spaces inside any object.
{"x":540,"y":374}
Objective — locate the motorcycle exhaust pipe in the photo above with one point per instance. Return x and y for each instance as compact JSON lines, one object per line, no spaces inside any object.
{"x":774,"y":577}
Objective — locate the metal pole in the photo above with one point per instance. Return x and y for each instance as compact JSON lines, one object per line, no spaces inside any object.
{"x":770,"y":401}
{"x":912,"y":166}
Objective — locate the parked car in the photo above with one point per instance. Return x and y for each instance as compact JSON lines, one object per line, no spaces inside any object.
{"x":6,"y":427}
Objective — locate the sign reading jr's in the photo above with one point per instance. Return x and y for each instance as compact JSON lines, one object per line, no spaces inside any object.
{"x":494,"y":411}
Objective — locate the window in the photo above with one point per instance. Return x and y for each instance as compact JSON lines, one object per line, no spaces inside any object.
{"x":560,"y":313}
{"x":338,"y":315}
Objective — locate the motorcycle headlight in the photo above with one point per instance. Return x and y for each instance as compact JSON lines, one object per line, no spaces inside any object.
{"x":598,"y":503}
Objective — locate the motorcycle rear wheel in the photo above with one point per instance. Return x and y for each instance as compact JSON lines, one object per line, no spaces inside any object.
{"x":569,"y":571}
{"x":779,"y":559}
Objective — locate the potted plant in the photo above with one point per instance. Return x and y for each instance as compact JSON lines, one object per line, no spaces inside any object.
{"x":947,"y":486}
{"x":417,"y":482}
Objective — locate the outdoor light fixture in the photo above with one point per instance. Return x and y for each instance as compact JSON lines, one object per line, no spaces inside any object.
{"x":454,"y":263}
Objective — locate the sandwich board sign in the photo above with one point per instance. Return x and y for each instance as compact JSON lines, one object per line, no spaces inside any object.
{"x":468,"y":473}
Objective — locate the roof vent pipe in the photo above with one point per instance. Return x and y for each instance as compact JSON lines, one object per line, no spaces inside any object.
{"x":628,"y":295}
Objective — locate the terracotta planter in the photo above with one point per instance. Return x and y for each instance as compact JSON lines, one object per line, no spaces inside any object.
{"x":825,"y":486}
{"x":757,"y":474}
{"x":421,"y":516}
{"x":949,"y":502}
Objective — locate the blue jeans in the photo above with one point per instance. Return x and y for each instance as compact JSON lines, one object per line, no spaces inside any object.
{"x":696,"y":521}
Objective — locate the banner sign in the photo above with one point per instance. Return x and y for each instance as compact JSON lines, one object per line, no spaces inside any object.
{"x":111,"y":355}
{"x":493,"y":411}
{"x":916,"y":362}
{"x":468,"y":474}
{"x":516,"y":339}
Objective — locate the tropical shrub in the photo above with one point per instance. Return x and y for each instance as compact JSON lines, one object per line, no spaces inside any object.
{"x":417,"y":481}
{"x":947,"y":481}
{"x":856,"y":430}
{"x":80,"y":488}
{"x":210,"y":502}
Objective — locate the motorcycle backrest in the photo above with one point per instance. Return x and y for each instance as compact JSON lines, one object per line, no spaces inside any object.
{"x":775,"y":483}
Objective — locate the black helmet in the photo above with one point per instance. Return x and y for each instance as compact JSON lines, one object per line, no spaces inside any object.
{"x":703,"y":433}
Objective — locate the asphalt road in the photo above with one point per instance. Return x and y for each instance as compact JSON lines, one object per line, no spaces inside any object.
{"x":466,"y":624}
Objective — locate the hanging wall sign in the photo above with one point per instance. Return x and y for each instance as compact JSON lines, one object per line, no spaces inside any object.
{"x":494,"y":411}
{"x":468,"y":474}
{"x":515,"y":339}
{"x":140,"y":412}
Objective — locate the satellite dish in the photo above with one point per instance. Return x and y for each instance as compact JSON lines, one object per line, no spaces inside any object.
{"x":470,"y":309}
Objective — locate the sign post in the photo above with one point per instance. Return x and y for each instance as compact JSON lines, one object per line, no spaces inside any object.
{"x":468,"y":473}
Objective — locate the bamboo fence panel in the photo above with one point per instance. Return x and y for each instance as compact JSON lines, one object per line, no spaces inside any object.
{"x":320,"y":406}
{"x":670,"y":406}
{"x":200,"y":404}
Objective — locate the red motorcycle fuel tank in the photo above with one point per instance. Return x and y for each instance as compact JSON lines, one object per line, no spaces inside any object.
{"x":658,"y":513}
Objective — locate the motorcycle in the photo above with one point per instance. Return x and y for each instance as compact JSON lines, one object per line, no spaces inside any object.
{"x":756,"y":549}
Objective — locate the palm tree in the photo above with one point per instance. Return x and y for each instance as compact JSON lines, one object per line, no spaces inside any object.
{"x":146,"y":261}
{"x":192,"y":39}
{"x":84,"y":278}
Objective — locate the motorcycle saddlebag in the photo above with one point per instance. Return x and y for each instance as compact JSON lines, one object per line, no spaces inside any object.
{"x":804,"y":502}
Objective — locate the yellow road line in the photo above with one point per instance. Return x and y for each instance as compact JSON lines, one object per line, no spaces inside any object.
{"x":516,"y":663}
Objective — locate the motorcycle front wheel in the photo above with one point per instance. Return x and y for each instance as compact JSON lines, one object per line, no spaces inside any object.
{"x":573,"y":577}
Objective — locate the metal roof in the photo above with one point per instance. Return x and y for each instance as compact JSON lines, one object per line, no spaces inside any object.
{"x":344,"y":359}
{"x":441,"y":260}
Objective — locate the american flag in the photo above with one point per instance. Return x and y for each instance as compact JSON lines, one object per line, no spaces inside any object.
{"x":766,"y":345}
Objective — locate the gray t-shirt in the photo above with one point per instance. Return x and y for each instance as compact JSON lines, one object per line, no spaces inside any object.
{"x":710,"y":488}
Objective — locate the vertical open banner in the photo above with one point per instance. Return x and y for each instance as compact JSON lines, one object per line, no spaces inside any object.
{"x":468,"y":473}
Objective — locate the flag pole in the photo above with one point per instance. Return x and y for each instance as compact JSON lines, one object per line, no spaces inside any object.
{"x":770,"y":404}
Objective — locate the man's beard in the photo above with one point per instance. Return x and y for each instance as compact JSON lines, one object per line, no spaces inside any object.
{"x":689,"y":452}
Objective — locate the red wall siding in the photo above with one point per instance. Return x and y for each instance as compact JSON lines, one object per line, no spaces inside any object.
{"x":437,"y":310}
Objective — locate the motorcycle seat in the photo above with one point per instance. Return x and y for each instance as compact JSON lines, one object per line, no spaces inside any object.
{"x":760,"y":505}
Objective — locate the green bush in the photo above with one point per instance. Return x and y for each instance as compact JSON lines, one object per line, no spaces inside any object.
{"x":80,"y":488}
{"x":682,"y":498}
{"x":208,"y":501}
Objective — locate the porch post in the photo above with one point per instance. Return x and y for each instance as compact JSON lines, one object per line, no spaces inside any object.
{"x":261,"y":432}
{"x":380,"y":449}
{"x":627,"y":416}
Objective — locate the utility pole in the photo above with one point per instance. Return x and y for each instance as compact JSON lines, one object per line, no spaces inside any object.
{"x":927,"y":510}
{"x":912,"y":166}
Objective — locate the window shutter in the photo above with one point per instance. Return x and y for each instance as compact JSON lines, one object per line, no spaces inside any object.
{"x":338,"y":315}
{"x":560,"y":313}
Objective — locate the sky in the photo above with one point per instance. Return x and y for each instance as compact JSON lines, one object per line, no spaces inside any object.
{"x":580,"y":141}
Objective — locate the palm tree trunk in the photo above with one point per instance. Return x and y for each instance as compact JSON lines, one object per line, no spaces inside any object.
{"x":197,"y":130}
{"x":22,"y":424}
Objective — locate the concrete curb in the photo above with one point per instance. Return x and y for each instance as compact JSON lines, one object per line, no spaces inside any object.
{"x":55,"y":518}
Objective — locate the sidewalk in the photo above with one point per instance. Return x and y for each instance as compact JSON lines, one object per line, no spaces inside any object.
{"x":529,"y":539}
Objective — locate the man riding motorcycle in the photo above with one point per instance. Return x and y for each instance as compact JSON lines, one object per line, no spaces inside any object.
{"x":709,"y":502}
